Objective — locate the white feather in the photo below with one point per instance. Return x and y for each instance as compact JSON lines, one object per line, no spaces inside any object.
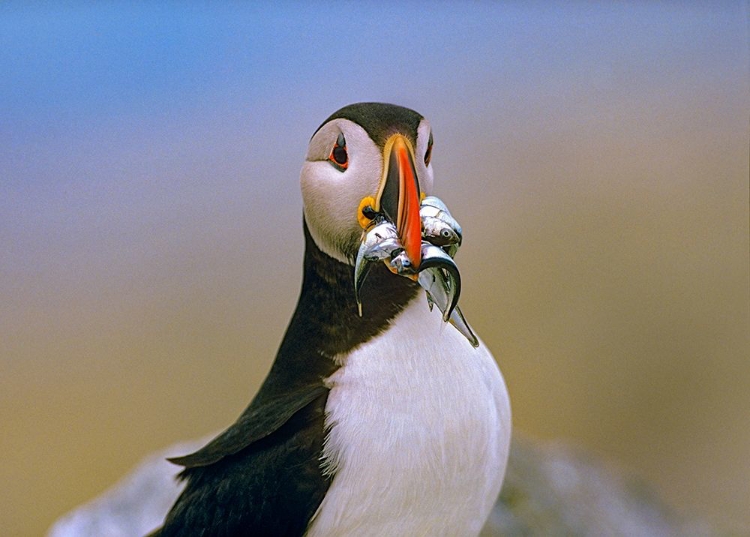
{"x":420,"y":432}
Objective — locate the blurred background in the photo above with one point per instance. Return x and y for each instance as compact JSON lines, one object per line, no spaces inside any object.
{"x":151,"y":242}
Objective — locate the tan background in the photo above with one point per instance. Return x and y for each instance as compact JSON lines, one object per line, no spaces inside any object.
{"x":150,"y":222}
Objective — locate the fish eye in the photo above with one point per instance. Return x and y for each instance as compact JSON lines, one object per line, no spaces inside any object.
{"x":339,"y":155}
{"x":428,"y":153}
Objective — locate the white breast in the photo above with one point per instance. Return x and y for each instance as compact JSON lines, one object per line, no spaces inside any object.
{"x":420,"y":432}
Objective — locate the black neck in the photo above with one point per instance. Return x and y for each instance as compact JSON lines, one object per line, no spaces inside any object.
{"x":326,"y":322}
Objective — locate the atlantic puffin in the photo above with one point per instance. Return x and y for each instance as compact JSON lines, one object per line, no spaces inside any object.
{"x":383,"y":413}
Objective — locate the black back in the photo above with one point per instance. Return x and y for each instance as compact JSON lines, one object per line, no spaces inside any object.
{"x":263,"y":476}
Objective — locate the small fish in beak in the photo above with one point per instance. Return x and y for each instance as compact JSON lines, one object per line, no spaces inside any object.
{"x":415,"y":236}
{"x":437,"y":273}
{"x":439,"y":276}
{"x":379,"y":243}
{"x":438,"y":226}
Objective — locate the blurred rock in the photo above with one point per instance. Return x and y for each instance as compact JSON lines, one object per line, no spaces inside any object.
{"x":550,"y":489}
{"x":135,"y":505}
{"x":553,"y":489}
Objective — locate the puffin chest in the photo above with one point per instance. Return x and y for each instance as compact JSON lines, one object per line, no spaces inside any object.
{"x":419,"y":424}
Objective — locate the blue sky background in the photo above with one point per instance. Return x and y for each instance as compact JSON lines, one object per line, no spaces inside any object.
{"x":150,"y":218}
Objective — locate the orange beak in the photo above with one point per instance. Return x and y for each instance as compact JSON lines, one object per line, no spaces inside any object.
{"x":399,"y":195}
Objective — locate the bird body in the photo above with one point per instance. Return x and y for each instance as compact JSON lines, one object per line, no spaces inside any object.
{"x":415,"y":443}
{"x":378,"y":417}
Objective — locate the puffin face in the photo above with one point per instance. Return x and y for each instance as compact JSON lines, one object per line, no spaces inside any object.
{"x":366,"y":159}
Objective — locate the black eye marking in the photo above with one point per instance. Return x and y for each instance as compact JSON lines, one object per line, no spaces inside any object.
{"x":428,"y":153}
{"x":339,"y":155}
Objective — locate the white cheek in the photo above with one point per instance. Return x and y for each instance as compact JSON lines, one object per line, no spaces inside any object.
{"x":328,"y":206}
{"x":331,"y":197}
{"x":427,"y":180}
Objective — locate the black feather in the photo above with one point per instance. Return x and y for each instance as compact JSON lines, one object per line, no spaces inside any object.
{"x":263,"y":476}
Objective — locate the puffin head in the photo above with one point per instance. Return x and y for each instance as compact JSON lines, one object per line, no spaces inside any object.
{"x":366,"y":159}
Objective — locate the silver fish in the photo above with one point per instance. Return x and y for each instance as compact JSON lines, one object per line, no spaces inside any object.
{"x":401,"y":263}
{"x":380,"y":243}
{"x":439,"y":276}
{"x":438,"y":226}
{"x":459,"y":322}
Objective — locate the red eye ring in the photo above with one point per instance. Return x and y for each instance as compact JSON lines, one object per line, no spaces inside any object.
{"x":339,"y":155}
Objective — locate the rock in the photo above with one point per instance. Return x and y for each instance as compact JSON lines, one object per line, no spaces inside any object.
{"x":554,"y":489}
{"x":550,"y":489}
{"x":134,"y":506}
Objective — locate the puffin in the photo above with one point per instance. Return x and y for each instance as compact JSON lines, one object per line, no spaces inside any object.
{"x":383,"y":413}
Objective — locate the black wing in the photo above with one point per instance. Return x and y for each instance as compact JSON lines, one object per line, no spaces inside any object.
{"x":262,"y":418}
{"x":271,"y":486}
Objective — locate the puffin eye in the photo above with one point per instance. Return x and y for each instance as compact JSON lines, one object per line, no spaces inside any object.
{"x":428,"y":153}
{"x":339,"y":156}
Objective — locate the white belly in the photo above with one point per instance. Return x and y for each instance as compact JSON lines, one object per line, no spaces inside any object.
{"x":420,"y":432}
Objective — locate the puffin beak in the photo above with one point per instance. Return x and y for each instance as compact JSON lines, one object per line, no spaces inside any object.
{"x":399,"y":195}
{"x":391,"y":221}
